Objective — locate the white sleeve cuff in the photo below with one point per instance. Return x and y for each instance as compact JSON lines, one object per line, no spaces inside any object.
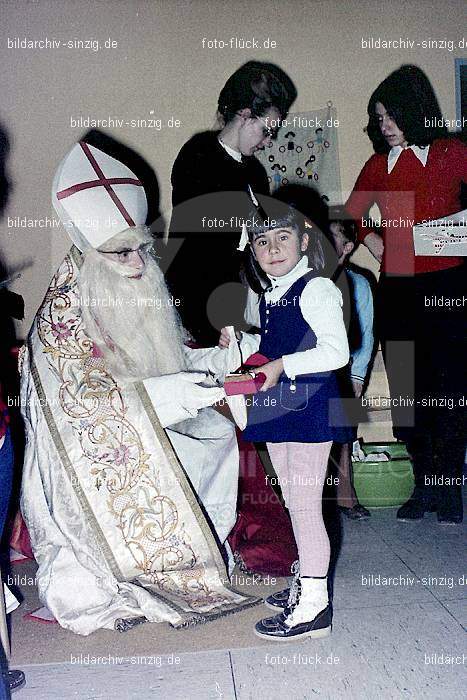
{"x":213,"y":360}
{"x":167,"y":407}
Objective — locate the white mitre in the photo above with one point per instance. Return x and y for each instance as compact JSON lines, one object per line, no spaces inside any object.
{"x":96,"y":196}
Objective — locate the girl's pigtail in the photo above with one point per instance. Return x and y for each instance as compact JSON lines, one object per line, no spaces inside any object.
{"x":253,"y":274}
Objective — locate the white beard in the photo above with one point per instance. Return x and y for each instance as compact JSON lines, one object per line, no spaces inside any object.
{"x":131,"y":321}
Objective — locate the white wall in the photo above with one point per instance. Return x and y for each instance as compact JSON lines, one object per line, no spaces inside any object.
{"x":160,"y":64}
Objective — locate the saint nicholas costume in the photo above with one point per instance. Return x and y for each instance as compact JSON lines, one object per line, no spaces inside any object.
{"x":127,"y":492}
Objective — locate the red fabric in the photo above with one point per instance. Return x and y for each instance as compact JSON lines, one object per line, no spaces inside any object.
{"x":262,"y":537}
{"x":249,"y":385}
{"x":256,"y":360}
{"x":413,"y":193}
{"x":96,"y":183}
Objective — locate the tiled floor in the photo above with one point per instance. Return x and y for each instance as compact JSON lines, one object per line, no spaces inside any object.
{"x":402,"y":638}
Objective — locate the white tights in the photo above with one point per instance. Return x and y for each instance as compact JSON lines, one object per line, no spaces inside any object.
{"x":301,"y":470}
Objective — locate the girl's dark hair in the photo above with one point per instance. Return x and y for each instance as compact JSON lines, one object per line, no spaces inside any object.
{"x":410,"y":100}
{"x":258,"y":86}
{"x":338,"y":215}
{"x":282,"y":210}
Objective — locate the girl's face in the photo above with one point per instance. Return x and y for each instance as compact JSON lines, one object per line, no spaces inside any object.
{"x":389,"y":128}
{"x":256,"y":132}
{"x":279,"y":250}
{"x":341,"y":243}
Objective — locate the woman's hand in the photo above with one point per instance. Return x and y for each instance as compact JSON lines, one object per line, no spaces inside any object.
{"x":273,"y":371}
{"x":375,"y":245}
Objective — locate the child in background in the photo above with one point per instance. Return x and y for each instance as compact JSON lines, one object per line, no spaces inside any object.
{"x":298,"y":411}
{"x":361,"y":343}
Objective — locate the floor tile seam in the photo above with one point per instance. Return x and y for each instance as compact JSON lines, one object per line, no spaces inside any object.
{"x":13,"y":662}
{"x":389,"y":605}
{"x":404,"y":602}
{"x":233,"y":675}
{"x":463,"y":627}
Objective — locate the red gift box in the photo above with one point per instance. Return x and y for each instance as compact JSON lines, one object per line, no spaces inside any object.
{"x":243,"y":381}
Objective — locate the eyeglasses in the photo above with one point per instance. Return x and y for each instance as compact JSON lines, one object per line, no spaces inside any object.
{"x":143,"y":248}
{"x":267,"y":131}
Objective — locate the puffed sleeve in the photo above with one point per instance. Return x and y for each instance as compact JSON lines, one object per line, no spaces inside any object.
{"x":321,"y":307}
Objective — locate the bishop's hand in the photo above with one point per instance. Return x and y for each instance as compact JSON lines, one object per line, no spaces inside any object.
{"x":176,"y":397}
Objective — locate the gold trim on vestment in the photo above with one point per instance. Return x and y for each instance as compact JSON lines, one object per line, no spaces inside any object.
{"x":175,"y":562}
{"x":70,"y":471}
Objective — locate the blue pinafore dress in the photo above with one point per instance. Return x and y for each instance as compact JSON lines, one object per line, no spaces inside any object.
{"x":307,"y":408}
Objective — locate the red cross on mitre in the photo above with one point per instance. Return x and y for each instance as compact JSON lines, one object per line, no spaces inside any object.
{"x":97,"y":196}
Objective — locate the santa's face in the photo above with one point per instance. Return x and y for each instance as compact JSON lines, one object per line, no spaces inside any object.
{"x":127,"y":309}
{"x":133,"y":259}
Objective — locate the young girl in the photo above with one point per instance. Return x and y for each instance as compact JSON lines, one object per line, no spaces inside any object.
{"x":298,"y":412}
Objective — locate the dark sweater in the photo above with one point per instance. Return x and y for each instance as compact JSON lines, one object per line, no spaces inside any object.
{"x":203,"y":166}
{"x":210,"y":199}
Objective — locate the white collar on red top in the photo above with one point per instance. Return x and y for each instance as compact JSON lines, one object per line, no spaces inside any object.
{"x":394,"y":153}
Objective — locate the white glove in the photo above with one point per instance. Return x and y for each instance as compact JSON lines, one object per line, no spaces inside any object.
{"x":237,"y":404}
{"x":176,"y":397}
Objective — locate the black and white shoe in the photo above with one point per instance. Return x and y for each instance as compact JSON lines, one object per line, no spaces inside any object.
{"x":277,"y":627}
{"x":308,"y":613}
{"x":15,"y":680}
{"x":279,"y":600}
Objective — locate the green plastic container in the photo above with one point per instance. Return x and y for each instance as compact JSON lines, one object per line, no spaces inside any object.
{"x":384,"y":484}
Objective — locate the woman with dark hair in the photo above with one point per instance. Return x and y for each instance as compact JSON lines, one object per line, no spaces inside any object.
{"x":408,"y":95}
{"x":416,"y":175}
{"x":211,"y":178}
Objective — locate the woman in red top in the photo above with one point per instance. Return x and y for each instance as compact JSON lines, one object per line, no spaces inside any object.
{"x":416,"y":175}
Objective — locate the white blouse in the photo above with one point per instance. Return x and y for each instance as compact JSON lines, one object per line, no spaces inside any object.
{"x":321,"y":307}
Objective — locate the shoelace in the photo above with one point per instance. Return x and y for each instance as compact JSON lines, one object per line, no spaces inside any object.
{"x":295,"y":568}
{"x":293,"y":592}
{"x":294,"y":595}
